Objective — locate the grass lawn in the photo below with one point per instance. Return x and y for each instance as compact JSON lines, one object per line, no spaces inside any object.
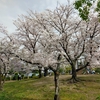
{"x":43,"y":89}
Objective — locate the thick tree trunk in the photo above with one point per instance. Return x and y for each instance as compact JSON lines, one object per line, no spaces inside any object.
{"x":74,"y":75}
{"x":45,"y":72}
{"x":56,"y":79}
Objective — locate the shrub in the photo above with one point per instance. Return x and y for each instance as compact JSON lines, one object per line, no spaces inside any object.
{"x":25,"y":77}
{"x":68,"y":70}
{"x":15,"y":77}
{"x":22,"y":76}
{"x":30,"y":76}
{"x":97,"y":70}
{"x":61,"y":70}
{"x":7,"y":78}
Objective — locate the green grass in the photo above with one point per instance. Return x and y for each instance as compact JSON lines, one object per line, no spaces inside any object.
{"x":43,"y":89}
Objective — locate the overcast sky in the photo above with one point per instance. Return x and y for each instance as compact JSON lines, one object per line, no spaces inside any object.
{"x":10,"y":9}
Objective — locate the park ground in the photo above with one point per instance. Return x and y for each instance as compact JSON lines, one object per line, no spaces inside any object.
{"x":88,"y":88}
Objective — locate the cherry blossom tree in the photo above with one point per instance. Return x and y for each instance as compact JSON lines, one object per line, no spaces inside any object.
{"x":63,"y":29}
{"x":92,"y":30}
{"x":35,"y":47}
{"x":69,"y":34}
{"x":4,"y":57}
{"x":28,"y":38}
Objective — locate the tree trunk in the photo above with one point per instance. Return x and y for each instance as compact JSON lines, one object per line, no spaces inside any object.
{"x":56,"y":79}
{"x":45,"y":72}
{"x":4,"y":77}
{"x":74,"y":75}
{"x":40,"y":74}
{"x":0,"y":80}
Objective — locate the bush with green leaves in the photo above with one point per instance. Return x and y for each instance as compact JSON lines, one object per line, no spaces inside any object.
{"x":68,"y":69}
{"x":97,"y":70}
{"x":15,"y":77}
